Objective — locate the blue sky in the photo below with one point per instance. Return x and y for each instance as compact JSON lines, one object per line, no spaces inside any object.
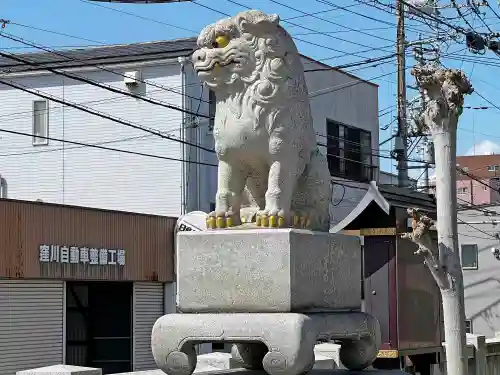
{"x":98,"y":24}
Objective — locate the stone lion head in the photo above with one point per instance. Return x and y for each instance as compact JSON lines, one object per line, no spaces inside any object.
{"x":248,"y":50}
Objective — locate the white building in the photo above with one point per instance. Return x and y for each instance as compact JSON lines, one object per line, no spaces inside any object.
{"x":478,"y":237}
{"x":344,"y":107}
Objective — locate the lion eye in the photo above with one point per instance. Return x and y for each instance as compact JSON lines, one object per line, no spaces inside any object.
{"x":221,"y":41}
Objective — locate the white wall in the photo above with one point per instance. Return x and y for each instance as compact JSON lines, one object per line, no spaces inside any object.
{"x":84,"y":176}
{"x":350,"y":104}
{"x":482,"y":285}
{"x":77,"y":175}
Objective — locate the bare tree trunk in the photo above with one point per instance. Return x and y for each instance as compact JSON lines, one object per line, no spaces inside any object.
{"x":444,"y":91}
{"x":453,"y":293}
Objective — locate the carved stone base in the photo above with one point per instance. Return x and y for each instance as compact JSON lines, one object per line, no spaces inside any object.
{"x":263,"y":270}
{"x":280,"y":343}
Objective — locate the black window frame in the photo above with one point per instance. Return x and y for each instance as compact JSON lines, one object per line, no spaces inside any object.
{"x":468,"y":267}
{"x":212,"y":103}
{"x":349,"y":158}
{"x":468,"y":326}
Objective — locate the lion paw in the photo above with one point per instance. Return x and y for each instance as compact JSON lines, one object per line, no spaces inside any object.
{"x":217,"y":220}
{"x":248,"y":214}
{"x":301,"y":221}
{"x":272,"y":219}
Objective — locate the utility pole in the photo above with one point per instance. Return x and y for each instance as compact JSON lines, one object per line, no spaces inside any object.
{"x":401,"y":141}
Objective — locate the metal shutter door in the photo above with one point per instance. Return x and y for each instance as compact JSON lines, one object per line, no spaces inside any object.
{"x":31,"y":324}
{"x":147,"y":307}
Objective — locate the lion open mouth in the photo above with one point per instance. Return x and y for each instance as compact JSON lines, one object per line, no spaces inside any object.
{"x":214,"y":63}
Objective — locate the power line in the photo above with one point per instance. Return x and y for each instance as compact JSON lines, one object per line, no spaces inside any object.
{"x":367,"y":61}
{"x":489,"y":6}
{"x":98,"y":101}
{"x":471,"y":176}
{"x":329,"y":21}
{"x":103,"y":86}
{"x":475,"y":228}
{"x":144,"y":52}
{"x":97,"y":113}
{"x":319,"y":12}
{"x":135,"y":49}
{"x":356,"y":53}
{"x":130,"y":124}
{"x":349,"y":84}
{"x":45,"y":150}
{"x":343,"y":31}
{"x":138,"y":16}
{"x":14,"y":57}
{"x":46,"y":49}
{"x":96,"y":146}
{"x":433,"y":18}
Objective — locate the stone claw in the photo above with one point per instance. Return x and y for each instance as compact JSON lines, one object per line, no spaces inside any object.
{"x":302,"y":222}
{"x":220,"y":222}
{"x":270,"y":221}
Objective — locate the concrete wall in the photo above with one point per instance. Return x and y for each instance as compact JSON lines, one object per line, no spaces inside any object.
{"x":482,"y":285}
{"x":351,"y":101}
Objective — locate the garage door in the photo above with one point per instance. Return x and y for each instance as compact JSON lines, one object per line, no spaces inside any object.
{"x":147,"y":308}
{"x":31,"y":324}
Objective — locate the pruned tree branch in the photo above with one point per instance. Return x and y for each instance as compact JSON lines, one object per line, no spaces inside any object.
{"x":427,"y":247}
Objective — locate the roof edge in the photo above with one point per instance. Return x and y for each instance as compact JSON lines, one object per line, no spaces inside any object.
{"x":372,"y":195}
{"x":339,"y":70}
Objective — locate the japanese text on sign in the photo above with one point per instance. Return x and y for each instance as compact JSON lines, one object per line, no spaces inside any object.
{"x":81,"y":255}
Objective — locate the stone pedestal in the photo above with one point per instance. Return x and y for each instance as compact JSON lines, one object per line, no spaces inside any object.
{"x":280,"y":343}
{"x":313,"y":372}
{"x":263,"y":270}
{"x":61,"y":370}
{"x":272,"y":293}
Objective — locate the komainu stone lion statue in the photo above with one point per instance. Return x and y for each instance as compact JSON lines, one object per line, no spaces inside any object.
{"x":270,"y":170}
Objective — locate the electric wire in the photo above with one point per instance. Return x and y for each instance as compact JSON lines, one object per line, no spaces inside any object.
{"x":98,"y":146}
{"x":102,"y":85}
{"x":97,"y":113}
{"x":356,"y":53}
{"x":328,"y":21}
{"x":100,"y":67}
{"x":138,"y":16}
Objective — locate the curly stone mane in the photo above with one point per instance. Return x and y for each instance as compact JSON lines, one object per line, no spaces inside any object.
{"x":277,"y":76}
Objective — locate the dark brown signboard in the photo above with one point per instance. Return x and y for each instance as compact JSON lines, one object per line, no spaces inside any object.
{"x":40,"y":240}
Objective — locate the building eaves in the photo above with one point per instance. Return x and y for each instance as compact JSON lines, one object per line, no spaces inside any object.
{"x":385,"y":198}
{"x":329,"y":67}
{"x":105,"y":55}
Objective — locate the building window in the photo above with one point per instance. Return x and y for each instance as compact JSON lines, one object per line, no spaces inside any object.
{"x":349,"y":152}
{"x":462,"y":190}
{"x":468,"y":326}
{"x":219,"y":346}
{"x":40,"y":122}
{"x":493,"y":168}
{"x":211,"y":109}
{"x":469,"y":257}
